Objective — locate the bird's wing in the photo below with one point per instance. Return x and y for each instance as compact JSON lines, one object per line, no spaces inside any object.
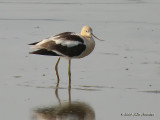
{"x":66,"y":44}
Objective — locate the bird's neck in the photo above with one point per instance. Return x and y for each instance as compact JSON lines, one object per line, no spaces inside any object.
{"x":90,"y":43}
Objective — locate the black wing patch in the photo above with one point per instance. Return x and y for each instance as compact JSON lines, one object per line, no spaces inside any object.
{"x":34,"y":43}
{"x":70,"y":51}
{"x":51,"y":46}
{"x":44,"y":52}
{"x":69,"y":36}
{"x":64,"y":34}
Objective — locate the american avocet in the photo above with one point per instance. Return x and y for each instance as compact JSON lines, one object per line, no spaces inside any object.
{"x":67,"y":44}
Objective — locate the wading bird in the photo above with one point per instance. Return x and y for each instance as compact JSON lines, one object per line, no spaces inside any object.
{"x":67,"y":44}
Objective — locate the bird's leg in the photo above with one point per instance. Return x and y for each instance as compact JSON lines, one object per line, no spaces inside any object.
{"x":56,"y":69}
{"x":69,"y":73}
{"x":69,"y":94}
{"x":56,"y":93}
{"x":57,"y":85}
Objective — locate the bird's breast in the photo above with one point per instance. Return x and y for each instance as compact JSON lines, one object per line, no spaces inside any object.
{"x":90,"y":44}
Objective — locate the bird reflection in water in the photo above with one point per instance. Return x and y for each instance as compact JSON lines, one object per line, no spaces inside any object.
{"x":65,"y":110}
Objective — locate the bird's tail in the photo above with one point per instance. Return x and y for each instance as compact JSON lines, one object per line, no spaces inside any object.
{"x":44,"y":52}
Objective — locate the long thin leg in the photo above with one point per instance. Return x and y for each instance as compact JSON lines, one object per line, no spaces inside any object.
{"x":69,"y":79}
{"x":69,"y":95}
{"x":56,"y":69}
{"x":57,"y":85}
{"x":69,"y":73}
{"x":56,"y":93}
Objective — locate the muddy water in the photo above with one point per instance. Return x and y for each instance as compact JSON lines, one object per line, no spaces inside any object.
{"x":119,"y":80}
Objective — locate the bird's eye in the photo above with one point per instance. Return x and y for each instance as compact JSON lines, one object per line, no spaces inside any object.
{"x":86,"y":30}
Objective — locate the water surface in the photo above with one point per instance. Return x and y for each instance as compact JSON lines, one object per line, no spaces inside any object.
{"x":119,"y":80}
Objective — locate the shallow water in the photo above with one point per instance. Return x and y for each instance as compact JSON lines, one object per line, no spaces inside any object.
{"x":119,"y":80}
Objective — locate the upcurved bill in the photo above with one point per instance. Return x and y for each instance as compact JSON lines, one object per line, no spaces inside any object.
{"x":96,"y":37}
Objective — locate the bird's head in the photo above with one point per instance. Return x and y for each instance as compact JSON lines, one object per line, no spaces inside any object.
{"x":87,"y":32}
